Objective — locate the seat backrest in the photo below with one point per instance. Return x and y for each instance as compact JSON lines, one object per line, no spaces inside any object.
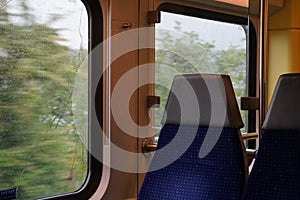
{"x":200,"y":154}
{"x":276,"y":171}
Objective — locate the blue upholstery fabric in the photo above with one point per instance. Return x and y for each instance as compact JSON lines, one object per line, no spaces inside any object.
{"x":276,"y":172}
{"x":219,"y":175}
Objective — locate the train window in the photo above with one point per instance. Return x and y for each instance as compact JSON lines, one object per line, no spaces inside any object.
{"x":188,"y":44}
{"x":44,"y":97}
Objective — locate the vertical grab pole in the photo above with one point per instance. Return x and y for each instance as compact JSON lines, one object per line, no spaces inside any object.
{"x":264,"y":17}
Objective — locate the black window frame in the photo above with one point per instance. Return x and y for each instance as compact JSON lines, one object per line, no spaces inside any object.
{"x":251,"y":68}
{"x":95,"y":38}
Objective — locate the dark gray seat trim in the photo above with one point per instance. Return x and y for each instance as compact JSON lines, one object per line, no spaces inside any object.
{"x":193,"y":94}
{"x":284,"y":109}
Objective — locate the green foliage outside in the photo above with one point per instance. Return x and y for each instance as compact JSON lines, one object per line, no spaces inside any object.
{"x":186,"y":53}
{"x":40,"y":151}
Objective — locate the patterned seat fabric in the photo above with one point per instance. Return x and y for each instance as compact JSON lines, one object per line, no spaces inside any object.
{"x":276,"y":171}
{"x":220,"y":175}
{"x":178,"y":171}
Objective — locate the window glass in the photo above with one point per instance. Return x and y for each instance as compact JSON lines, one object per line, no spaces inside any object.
{"x":186,"y":45}
{"x":43,"y":125}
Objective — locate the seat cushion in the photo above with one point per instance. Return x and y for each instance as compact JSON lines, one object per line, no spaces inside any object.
{"x":219,"y":175}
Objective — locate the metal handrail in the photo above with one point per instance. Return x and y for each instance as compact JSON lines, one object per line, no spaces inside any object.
{"x":250,"y":136}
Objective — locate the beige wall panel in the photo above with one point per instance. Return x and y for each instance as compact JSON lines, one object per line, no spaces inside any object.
{"x":284,"y":43}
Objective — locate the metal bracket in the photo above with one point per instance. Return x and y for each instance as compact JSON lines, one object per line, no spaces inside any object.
{"x":126,"y":25}
{"x":250,"y":103}
{"x":153,"y":101}
{"x":148,"y":146}
{"x":154,"y":17}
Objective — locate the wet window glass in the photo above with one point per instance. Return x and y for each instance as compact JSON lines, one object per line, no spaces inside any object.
{"x":43,"y":97}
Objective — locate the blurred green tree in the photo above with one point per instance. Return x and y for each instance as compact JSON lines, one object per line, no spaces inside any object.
{"x":185,"y":53}
{"x":40,"y":151}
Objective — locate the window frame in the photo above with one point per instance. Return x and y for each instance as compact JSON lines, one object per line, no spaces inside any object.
{"x":251,"y":64}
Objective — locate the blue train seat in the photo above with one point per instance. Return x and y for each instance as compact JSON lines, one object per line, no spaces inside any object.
{"x":276,"y":171}
{"x":200,"y":154}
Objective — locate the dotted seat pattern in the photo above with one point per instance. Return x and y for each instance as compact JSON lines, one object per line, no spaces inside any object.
{"x":219,"y":175}
{"x":276,"y":171}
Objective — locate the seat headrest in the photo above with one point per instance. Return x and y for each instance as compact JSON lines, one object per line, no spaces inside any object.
{"x":202,"y":100}
{"x":284,"y":109}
